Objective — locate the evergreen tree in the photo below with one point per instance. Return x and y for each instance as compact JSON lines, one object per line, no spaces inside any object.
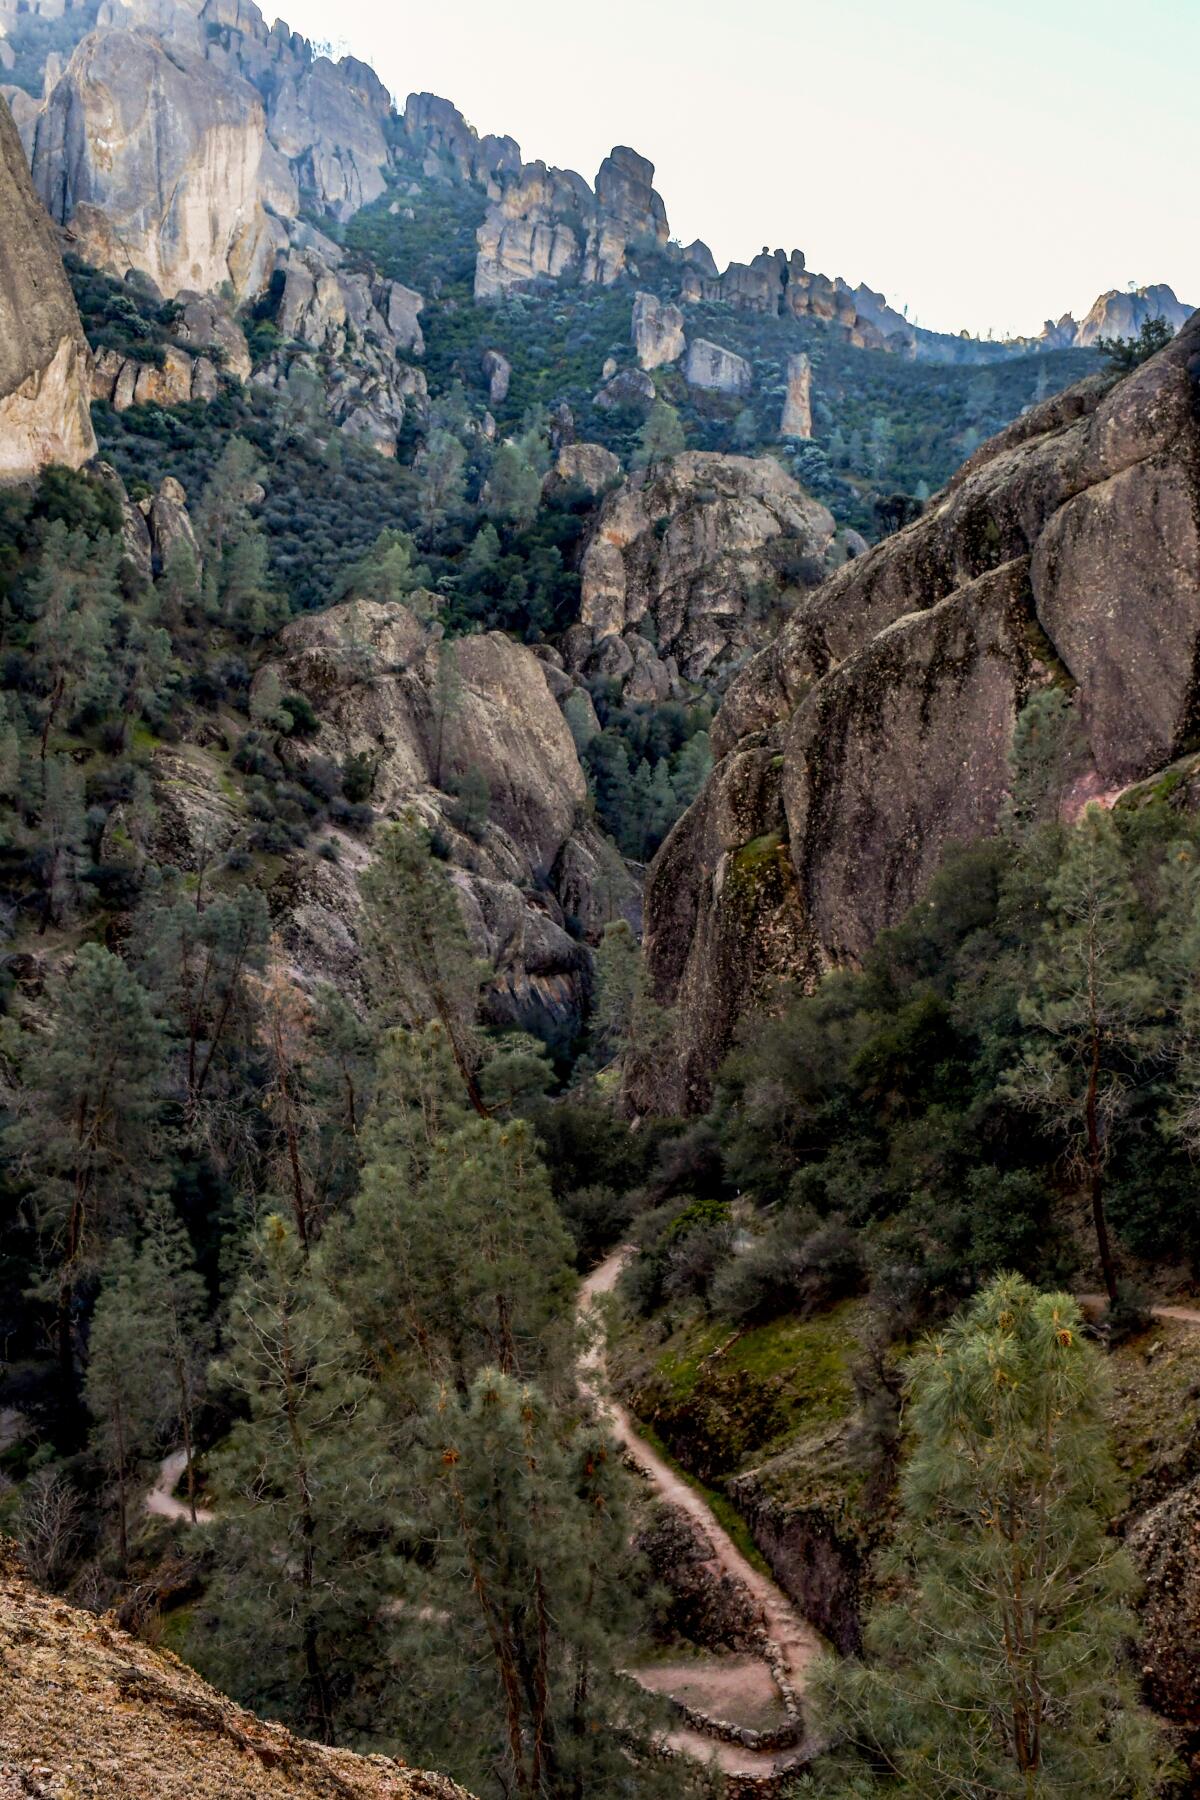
{"x":173,"y":1306}
{"x":389,"y":570}
{"x":514,"y":487}
{"x":75,"y":597}
{"x":1088,"y":1010}
{"x":662,"y":434}
{"x":304,"y":1495}
{"x":424,"y":965}
{"x":122,"y":1386}
{"x":533,"y":1584}
{"x":1000,"y":1668}
{"x":88,"y":1131}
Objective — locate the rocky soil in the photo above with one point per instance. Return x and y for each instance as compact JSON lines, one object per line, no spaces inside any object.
{"x":90,"y":1713}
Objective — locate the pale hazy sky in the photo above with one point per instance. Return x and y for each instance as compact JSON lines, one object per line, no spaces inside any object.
{"x":986,"y":162}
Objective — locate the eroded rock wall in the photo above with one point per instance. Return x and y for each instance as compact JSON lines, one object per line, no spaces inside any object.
{"x":45,"y":364}
{"x":875,"y":730}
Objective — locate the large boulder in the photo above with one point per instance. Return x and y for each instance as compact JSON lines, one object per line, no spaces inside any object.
{"x":719,"y":370}
{"x":1165,"y":1545}
{"x":151,"y":156}
{"x":370,"y":670}
{"x":45,"y":365}
{"x":657,"y":331}
{"x":684,"y":565}
{"x":875,"y":730}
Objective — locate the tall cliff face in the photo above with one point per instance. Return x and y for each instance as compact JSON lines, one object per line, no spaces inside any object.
{"x":45,"y":365}
{"x":875,"y":731}
{"x":152,"y":155}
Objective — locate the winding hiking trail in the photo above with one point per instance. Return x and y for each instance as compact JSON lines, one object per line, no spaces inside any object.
{"x":794,"y":1643}
{"x":162,"y":1499}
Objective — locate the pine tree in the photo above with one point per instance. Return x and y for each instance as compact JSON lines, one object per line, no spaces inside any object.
{"x":1000,"y":1669}
{"x":532,"y":1585}
{"x":305,"y":1503}
{"x":174,"y":1305}
{"x":88,"y":1131}
{"x":424,"y":966}
{"x":454,"y":1254}
{"x":1088,"y":1010}
{"x":122,"y":1386}
{"x":661,"y":435}
{"x":76,"y":598}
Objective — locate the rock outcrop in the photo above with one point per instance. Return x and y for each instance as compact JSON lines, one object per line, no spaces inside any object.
{"x":151,"y":156}
{"x":369,"y":669}
{"x":352,"y":331}
{"x":45,"y":365}
{"x":657,"y":331}
{"x":93,"y":1712}
{"x":796,"y":420}
{"x":875,"y":730}
{"x":533,"y":232}
{"x":497,"y":372}
{"x":684,"y":565}
{"x":716,"y":369}
{"x":627,"y":212}
{"x":1119,"y":313}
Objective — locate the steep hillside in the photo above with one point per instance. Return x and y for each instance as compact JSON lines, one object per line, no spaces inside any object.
{"x":90,"y":1712}
{"x":876,"y":730}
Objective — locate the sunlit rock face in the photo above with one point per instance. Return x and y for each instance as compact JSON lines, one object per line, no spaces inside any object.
{"x":45,"y":365}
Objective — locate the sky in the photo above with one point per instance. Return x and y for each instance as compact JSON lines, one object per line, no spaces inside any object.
{"x":985,"y":163}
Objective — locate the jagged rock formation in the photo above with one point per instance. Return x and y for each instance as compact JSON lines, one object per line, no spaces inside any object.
{"x":435,"y":129}
{"x":92,"y":1712}
{"x":45,"y":364}
{"x":1118,"y":313}
{"x":353,"y":330}
{"x":627,"y":211}
{"x":797,"y":406}
{"x":776,"y":284}
{"x":369,"y":669}
{"x":684,"y":561}
{"x":719,"y":370}
{"x":875,"y":730}
{"x":533,"y":231}
{"x":657,"y":331}
{"x":151,"y":155}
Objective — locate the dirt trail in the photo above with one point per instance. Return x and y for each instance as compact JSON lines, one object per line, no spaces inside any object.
{"x":1181,"y":1315}
{"x":162,"y":1500}
{"x":795,"y":1643}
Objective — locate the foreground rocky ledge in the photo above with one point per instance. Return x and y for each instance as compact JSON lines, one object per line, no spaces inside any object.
{"x":90,"y":1712}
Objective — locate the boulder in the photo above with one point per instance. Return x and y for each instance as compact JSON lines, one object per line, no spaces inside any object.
{"x":718,"y":370}
{"x":676,"y":569}
{"x":588,"y":466}
{"x":657,"y":331}
{"x":151,"y":156}
{"x":627,"y":387}
{"x":875,"y":730}
{"x":370,"y":670}
{"x":497,"y":372}
{"x":45,"y":364}
{"x":797,"y":406}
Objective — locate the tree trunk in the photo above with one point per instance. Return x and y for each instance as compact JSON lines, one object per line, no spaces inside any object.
{"x":1096,"y":1171}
